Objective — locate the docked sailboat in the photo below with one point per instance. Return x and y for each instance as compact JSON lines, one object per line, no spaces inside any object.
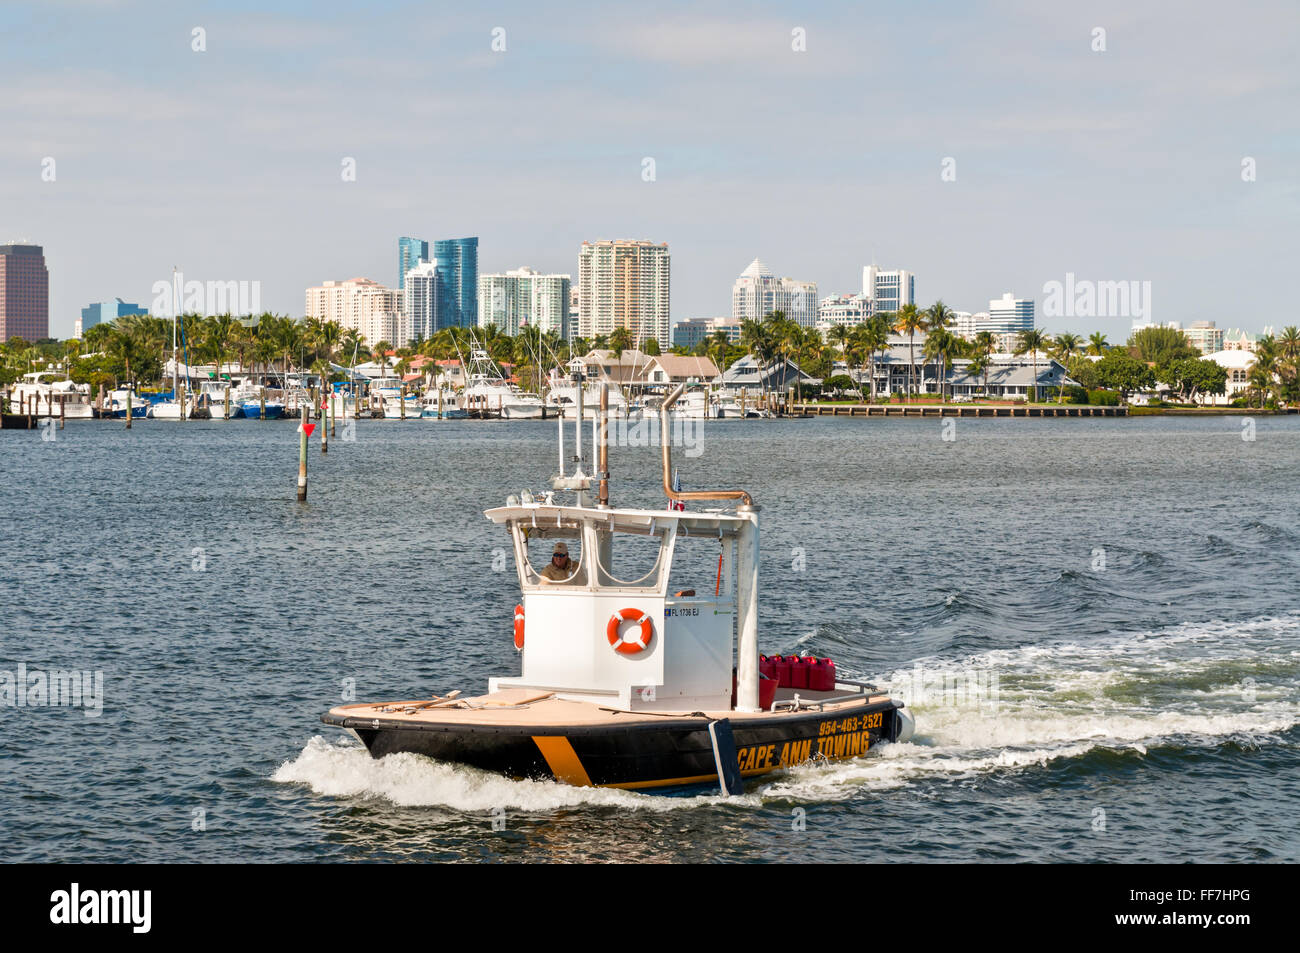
{"x":488,"y":393}
{"x":631,"y":675}
{"x":172,"y":407}
{"x":565,"y":395}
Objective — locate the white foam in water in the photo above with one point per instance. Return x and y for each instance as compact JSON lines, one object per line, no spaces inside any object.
{"x":346,"y":769}
{"x":1055,"y":702}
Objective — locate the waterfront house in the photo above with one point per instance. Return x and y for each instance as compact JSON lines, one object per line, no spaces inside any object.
{"x":900,"y":367}
{"x":626,"y":368}
{"x":1237,"y":363}
{"x":1009,"y":377}
{"x":750,"y":377}
{"x":671,"y":369}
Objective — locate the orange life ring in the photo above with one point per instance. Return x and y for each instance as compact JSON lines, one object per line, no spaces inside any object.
{"x":519,"y":628}
{"x":630,"y":615}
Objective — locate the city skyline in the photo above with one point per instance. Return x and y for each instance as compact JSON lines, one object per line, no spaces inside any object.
{"x":1125,"y":164}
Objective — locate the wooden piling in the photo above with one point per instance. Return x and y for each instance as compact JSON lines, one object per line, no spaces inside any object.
{"x":302,"y":454}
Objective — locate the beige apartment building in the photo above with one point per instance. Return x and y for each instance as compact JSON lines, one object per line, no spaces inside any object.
{"x":364,"y":305}
{"x":624,"y":284}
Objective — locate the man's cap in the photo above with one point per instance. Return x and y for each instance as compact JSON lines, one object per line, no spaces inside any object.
{"x":560,"y":550}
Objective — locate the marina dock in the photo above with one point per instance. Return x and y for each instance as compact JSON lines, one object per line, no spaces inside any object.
{"x":951,"y":410}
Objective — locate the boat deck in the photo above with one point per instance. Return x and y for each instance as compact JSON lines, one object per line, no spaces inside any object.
{"x":512,"y":707}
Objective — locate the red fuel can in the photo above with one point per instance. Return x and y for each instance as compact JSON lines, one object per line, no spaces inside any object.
{"x":766,"y":692}
{"x":821,"y":675}
{"x":799,"y":671}
{"x":782,"y":666}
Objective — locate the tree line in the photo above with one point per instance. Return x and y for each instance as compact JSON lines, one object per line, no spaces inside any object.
{"x":134,"y":349}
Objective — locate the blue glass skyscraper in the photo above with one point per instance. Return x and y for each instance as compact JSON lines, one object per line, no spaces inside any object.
{"x":410,"y":252}
{"x":457,"y":282}
{"x":103,"y":311}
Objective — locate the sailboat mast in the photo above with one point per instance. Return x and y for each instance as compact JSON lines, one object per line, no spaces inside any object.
{"x":175,"y":366}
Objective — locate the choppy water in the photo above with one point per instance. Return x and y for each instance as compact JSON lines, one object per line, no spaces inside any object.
{"x":1130,"y":585}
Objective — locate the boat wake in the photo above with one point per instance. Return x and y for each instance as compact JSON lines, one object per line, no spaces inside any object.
{"x":1127,"y":695}
{"x":1187,"y":687}
{"x":345,"y":769}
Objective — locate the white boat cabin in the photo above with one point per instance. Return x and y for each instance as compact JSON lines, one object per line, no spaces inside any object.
{"x":675,"y":574}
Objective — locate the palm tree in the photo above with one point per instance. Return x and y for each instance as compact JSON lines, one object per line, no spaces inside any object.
{"x":1262,"y":374}
{"x":716,"y":346}
{"x":1067,"y":345}
{"x":1032,"y":341}
{"x":1288,"y":344}
{"x":128,"y":342}
{"x":874,"y":336}
{"x":839,"y":335}
{"x":909,"y":320}
{"x":757,"y":338}
{"x":620,"y":340}
{"x":940,"y":316}
{"x":350,"y":343}
{"x":1097,"y":344}
{"x":982,"y":349}
{"x":221,"y":338}
{"x":939,"y":346}
{"x":381,"y":354}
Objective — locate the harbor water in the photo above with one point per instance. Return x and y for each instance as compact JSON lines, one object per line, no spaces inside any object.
{"x":1095,"y":623}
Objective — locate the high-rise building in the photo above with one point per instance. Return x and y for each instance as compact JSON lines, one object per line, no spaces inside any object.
{"x":410,"y":252}
{"x":692,"y":331}
{"x":362,"y":305}
{"x":524,"y":298}
{"x":624,"y":284}
{"x":1204,"y":336}
{"x":24,"y":292}
{"x":457,"y":260}
{"x":964,"y":324}
{"x":758,"y":292}
{"x":888,"y":290}
{"x":1009,"y":315}
{"x":420,"y":301}
{"x":844,"y":310}
{"x":102,"y":311}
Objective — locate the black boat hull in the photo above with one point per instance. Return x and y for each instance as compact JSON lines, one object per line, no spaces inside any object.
{"x":667,"y":753}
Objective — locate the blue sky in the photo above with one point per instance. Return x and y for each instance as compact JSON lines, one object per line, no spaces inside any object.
{"x":1116,"y":165}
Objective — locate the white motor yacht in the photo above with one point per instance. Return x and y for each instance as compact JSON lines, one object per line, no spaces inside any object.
{"x":49,"y":394}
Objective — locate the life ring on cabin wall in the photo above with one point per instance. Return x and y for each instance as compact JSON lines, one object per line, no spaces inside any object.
{"x":641,"y":642}
{"x":519,"y":628}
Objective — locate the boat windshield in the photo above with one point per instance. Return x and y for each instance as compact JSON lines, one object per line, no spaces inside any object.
{"x":600,"y":556}
{"x":544,"y":566}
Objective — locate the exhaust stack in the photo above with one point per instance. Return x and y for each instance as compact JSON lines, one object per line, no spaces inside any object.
{"x":602,"y":461}
{"x":742,"y":495}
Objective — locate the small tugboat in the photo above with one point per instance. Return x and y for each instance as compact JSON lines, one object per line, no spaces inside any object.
{"x":625,"y":682}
